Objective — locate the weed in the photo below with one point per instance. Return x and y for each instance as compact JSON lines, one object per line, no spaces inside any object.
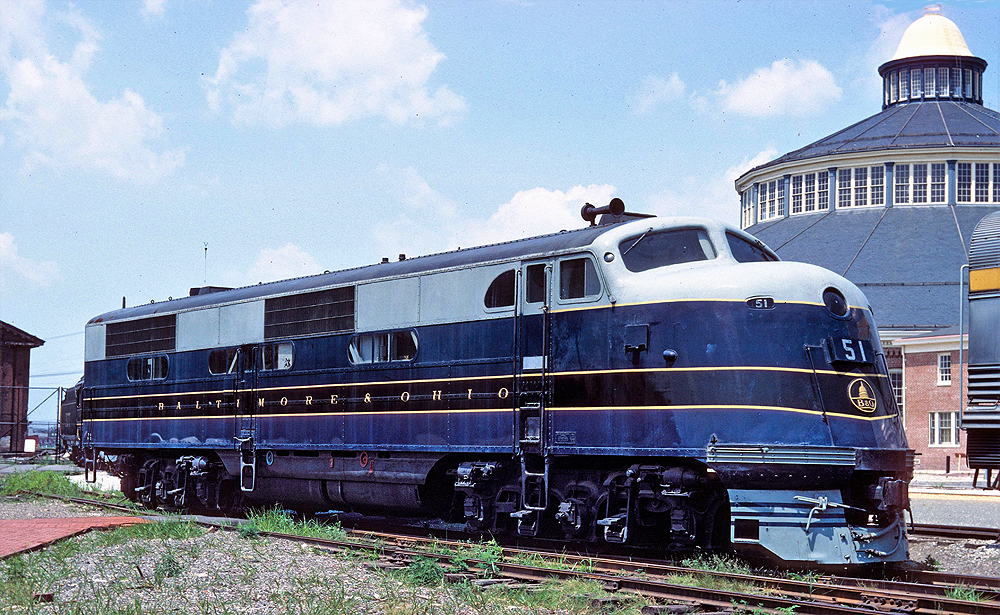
{"x":963,"y":592}
{"x":424,"y":571}
{"x":168,"y":566}
{"x":177,"y":530}
{"x":39,"y":481}
{"x":277,"y":521}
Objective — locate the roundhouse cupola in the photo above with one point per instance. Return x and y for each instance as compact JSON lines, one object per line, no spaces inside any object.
{"x":932,"y":62}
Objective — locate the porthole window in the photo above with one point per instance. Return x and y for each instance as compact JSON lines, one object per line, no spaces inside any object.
{"x":146,"y":368}
{"x":383,"y":347}
{"x":500,"y":294}
{"x":276,"y":356}
{"x":578,"y":279}
{"x":223,"y":361}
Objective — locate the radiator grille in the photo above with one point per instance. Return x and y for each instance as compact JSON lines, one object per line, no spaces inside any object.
{"x":983,"y":448}
{"x":984,"y":383}
{"x":155,"y":334}
{"x":324,"y":311}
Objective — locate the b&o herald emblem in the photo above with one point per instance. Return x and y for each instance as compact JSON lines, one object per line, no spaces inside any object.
{"x":860,"y":392}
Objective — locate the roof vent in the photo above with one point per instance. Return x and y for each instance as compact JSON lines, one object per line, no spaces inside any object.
{"x":385,"y":259}
{"x":402,"y":257}
{"x":205,"y":290}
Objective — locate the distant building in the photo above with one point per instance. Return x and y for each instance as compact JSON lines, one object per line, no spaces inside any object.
{"x":15,"y":348}
{"x":890,"y":203}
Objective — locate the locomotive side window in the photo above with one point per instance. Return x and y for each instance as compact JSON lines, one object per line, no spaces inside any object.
{"x":404,"y":345}
{"x":146,"y":368}
{"x":223,"y":361}
{"x":746,"y":252}
{"x":276,"y":356}
{"x":500,"y":294}
{"x":383,"y":347}
{"x":578,"y":279}
{"x":535,"y":287}
{"x":651,"y":250}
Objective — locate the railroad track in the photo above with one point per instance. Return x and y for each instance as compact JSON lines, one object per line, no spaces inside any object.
{"x":955,"y":532}
{"x":917,"y":592}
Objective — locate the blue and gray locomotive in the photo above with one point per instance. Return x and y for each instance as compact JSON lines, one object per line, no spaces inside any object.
{"x":663,"y":382}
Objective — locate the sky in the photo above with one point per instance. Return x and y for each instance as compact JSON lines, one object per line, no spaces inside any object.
{"x":151,"y":146}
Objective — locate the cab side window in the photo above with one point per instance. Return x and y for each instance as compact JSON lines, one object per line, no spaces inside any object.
{"x":383,"y":347}
{"x":147,"y":368}
{"x":501,"y":292}
{"x":276,"y":356}
{"x":578,"y":279}
{"x":223,"y":361}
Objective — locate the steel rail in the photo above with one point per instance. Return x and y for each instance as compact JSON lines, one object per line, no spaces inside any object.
{"x":958,"y":532}
{"x":921,"y":593}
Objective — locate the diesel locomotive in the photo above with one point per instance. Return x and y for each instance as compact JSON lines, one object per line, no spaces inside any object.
{"x":659,"y":382}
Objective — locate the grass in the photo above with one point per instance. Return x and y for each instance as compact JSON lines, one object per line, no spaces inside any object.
{"x":963,"y":592}
{"x":278,"y":521}
{"x":37,"y":481}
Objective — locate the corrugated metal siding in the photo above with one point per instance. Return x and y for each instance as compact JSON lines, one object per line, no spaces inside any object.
{"x":984,"y":249}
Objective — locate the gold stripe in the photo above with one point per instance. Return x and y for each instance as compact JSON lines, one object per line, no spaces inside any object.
{"x":984,"y":279}
{"x":736,"y":407}
{"x":504,"y":410}
{"x":691,"y":300}
{"x":729,"y":368}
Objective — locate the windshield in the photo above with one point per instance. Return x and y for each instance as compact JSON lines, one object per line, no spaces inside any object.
{"x":661,"y":248}
{"x":746,"y":252}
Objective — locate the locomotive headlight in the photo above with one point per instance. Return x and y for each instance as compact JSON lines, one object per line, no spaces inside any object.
{"x":835,"y":302}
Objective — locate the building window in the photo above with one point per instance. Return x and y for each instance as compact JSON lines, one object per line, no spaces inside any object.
{"x":904,"y":85}
{"x":956,"y":83}
{"x":943,"y":428}
{"x":920,"y":183}
{"x":896,"y":382}
{"x":861,"y":187}
{"x":996,"y":182}
{"x":782,"y":206}
{"x":878,"y":185}
{"x":916,"y":82}
{"x":963,"y":183}
{"x":982,"y":182}
{"x":968,"y":83}
{"x":822,"y":190}
{"x":937,"y":182}
{"x":811,"y":191}
{"x":902,"y":183}
{"x":885,"y":91}
{"x":929,"y":82}
{"x":772,"y":193}
{"x":796,"y":194}
{"x":894,"y":87}
{"x":844,"y":188}
{"x":942,"y":82}
{"x":944,"y":368}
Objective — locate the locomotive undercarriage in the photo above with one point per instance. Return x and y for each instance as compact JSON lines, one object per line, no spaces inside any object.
{"x":840,"y":514}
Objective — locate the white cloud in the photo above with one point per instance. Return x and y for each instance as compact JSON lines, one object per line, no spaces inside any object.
{"x":786,"y":87}
{"x":290,"y":261}
{"x":54,"y":116}
{"x":14,"y":266}
{"x":539,"y":211}
{"x":154,"y":7}
{"x":655,"y":91}
{"x":331,"y":62}
{"x":423,"y":221}
{"x":711,"y":194}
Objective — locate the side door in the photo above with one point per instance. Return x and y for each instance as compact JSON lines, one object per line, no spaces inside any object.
{"x":532,"y":360}
{"x":245,"y":392}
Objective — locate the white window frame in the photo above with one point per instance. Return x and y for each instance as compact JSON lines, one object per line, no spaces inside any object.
{"x":944,"y":369}
{"x":897,"y":391}
{"x":934,"y":427}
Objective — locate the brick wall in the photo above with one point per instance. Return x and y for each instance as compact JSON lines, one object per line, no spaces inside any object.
{"x":924,"y":395}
